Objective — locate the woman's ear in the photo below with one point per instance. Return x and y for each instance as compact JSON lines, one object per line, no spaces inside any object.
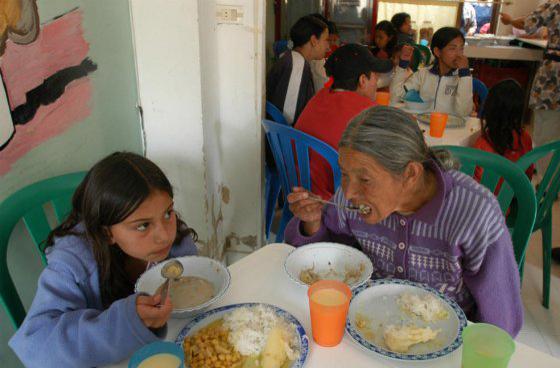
{"x":412,"y":173}
{"x":437,"y":52}
{"x":109,"y":235}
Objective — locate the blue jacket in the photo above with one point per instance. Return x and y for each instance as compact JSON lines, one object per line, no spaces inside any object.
{"x":67,"y":326}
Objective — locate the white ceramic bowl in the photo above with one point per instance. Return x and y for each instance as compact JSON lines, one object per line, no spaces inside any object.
{"x":418,"y":106}
{"x":325,"y":257}
{"x":204,"y":267}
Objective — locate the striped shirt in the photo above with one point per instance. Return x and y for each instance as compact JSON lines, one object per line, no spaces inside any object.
{"x":449,"y":244}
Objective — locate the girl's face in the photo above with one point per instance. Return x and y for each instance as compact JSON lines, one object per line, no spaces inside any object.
{"x":320,"y":45}
{"x":365,"y":182}
{"x":148,"y":232}
{"x":381,"y":39}
{"x":449,"y":54}
{"x":406,"y":26}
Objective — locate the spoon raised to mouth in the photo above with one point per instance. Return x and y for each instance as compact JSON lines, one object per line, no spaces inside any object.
{"x":362,"y":209}
{"x":172,"y":270}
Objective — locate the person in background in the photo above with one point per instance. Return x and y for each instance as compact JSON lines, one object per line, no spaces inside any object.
{"x":448,"y":82}
{"x":318,"y":66}
{"x":385,"y":40}
{"x":545,"y":93}
{"x":354,"y":71}
{"x":403,"y":25}
{"x":426,"y":222}
{"x":502,"y":125}
{"x":85,"y":312}
{"x":289,"y":84}
{"x":468,"y":21}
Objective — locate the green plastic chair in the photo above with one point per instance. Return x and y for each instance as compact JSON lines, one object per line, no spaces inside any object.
{"x":417,"y":59}
{"x":515,"y":184}
{"x":546,"y":193}
{"x":27,"y":203}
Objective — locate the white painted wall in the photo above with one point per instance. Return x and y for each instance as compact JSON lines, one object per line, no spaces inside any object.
{"x":201,"y":86}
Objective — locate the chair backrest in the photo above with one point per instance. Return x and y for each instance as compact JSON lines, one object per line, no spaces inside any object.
{"x":275,"y":114}
{"x":417,"y":59}
{"x":290,"y":148}
{"x":515,"y":184}
{"x":480,"y":89}
{"x":279,"y":47}
{"x":27,"y":203}
{"x":550,"y":185}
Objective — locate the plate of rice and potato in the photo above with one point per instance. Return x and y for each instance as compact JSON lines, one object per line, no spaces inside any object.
{"x":246,"y":335}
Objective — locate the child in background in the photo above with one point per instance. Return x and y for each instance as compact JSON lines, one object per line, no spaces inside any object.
{"x":85,"y":312}
{"x":448,"y":83}
{"x":502,"y":128}
{"x":385,"y":40}
{"x":403,"y":25}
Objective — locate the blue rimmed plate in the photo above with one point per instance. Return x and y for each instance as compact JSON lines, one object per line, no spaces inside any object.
{"x":375,"y":305}
{"x":204,"y":319}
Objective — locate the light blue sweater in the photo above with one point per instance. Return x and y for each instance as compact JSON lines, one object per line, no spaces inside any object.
{"x":67,"y":326}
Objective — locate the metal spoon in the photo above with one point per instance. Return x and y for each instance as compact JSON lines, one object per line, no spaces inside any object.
{"x":363,"y":210}
{"x":172,"y":270}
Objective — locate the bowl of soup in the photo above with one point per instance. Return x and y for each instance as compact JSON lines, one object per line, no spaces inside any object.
{"x":159,"y":354}
{"x":204,"y":281}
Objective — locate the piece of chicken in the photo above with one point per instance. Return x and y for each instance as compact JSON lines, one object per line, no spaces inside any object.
{"x":400,"y":338}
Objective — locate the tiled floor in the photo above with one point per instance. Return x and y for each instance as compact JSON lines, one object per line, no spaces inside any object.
{"x":540,"y":331}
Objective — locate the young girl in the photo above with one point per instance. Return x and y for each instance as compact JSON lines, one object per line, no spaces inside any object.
{"x":502,"y":130}
{"x":448,"y":83}
{"x":403,"y":26}
{"x":85,"y":312}
{"x":385,"y":40}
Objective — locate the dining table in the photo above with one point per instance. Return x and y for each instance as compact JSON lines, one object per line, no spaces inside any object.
{"x":260,"y":277}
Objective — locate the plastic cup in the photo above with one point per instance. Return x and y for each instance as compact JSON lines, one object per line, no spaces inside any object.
{"x":382,"y":98}
{"x":173,"y":356}
{"x":438,"y":121}
{"x":328,"y":303}
{"x":486,"y":346}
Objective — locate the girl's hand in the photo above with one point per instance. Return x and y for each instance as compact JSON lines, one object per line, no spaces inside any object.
{"x":306,"y":209}
{"x":149,"y":311}
{"x":406,"y":53}
{"x":506,"y":18}
{"x":462,"y":62}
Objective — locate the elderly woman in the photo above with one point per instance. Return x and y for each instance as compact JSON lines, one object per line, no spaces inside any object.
{"x":427,"y":223}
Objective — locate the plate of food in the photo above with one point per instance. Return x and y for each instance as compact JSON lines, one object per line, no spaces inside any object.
{"x":403,"y":320}
{"x":247,"y":335}
{"x":328,"y":261}
{"x":202,"y":282}
{"x":453,"y":121}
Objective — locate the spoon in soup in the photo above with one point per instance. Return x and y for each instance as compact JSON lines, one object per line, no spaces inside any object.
{"x":172,"y":270}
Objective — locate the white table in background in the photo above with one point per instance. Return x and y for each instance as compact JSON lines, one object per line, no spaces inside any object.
{"x":260,"y":277}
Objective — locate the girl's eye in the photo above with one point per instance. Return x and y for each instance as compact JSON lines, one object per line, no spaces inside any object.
{"x":364,"y":180}
{"x":168,"y":214}
{"x":142,"y":227}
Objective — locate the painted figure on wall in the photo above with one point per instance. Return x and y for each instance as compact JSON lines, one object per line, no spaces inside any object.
{"x":47,"y":88}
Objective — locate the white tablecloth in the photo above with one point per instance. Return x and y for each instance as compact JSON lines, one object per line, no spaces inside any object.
{"x":260,"y":277}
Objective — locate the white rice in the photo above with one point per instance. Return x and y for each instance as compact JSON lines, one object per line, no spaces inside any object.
{"x":250,"y":326}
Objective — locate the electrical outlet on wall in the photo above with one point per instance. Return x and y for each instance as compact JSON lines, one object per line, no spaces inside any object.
{"x":229,"y":14}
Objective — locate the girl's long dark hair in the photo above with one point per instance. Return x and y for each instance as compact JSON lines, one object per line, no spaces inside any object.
{"x":113,"y":189}
{"x":502,"y":115}
{"x":391,"y":32}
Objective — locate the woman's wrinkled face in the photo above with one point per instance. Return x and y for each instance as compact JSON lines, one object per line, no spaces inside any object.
{"x":149,"y":232}
{"x":366,"y":182}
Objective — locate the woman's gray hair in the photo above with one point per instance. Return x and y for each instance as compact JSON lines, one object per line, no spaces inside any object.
{"x":393,"y":138}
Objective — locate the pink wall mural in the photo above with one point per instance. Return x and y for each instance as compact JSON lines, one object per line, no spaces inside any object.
{"x":46,"y":82}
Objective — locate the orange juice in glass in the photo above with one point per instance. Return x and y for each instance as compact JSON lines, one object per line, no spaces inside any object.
{"x":328,"y":303}
{"x":438,"y":121}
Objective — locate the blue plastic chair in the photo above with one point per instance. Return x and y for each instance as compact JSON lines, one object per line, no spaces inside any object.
{"x":294,"y":168}
{"x":480,"y":89}
{"x":275,"y":114}
{"x":272,"y":180}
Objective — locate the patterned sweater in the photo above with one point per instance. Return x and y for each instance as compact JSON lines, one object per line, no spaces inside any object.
{"x":457,"y":243}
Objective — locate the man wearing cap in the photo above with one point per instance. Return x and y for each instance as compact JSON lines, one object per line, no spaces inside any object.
{"x":354,"y":71}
